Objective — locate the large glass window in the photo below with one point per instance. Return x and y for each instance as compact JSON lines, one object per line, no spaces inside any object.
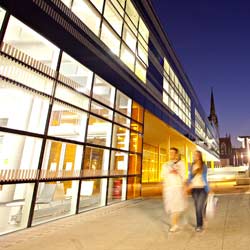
{"x":29,"y":113}
{"x":101,"y":110}
{"x":55,"y":200}
{"x":31,"y":43}
{"x":129,"y":38}
{"x":113,"y":18}
{"x":123,"y":103}
{"x":133,"y":187}
{"x":86,"y":12}
{"x":137,"y":112}
{"x":61,"y":160}
{"x":134,"y":164}
{"x":67,"y":122}
{"x":103,"y":91}
{"x":15,"y":201}
{"x":19,"y":157}
{"x":92,"y":194}
{"x":135,"y":142}
{"x":120,"y":137}
{"x":96,"y":161}
{"x":117,"y":190}
{"x":98,"y":4}
{"x":119,"y":163}
{"x":122,"y":120}
{"x":99,"y":131}
{"x":132,"y":13}
{"x":109,"y":37}
{"x":128,"y":57}
{"x":80,"y":76}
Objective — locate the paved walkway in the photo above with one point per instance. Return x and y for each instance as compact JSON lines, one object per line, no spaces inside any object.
{"x":139,"y":225}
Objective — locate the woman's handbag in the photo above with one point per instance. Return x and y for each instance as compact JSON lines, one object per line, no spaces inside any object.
{"x":211,"y":206}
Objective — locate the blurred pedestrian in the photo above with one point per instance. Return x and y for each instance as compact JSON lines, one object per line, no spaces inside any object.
{"x":198,"y":184}
{"x":173,"y":189}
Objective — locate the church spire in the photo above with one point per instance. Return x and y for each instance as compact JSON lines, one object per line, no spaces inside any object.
{"x":213,"y":116}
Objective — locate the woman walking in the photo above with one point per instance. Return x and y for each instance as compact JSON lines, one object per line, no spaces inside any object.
{"x":197,"y":182}
{"x":173,"y":191}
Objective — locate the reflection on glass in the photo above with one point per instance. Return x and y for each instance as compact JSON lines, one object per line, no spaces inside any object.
{"x":72,"y":97}
{"x":109,"y":37}
{"x":96,"y":161}
{"x":101,"y":110}
{"x":134,"y":164}
{"x":129,"y":38}
{"x":122,"y":120}
{"x":99,"y":131}
{"x":15,"y":201}
{"x":81,"y":76}
{"x":55,"y":200}
{"x":119,"y":163}
{"x":120,"y":138}
{"x":137,"y":112}
{"x":88,"y":15}
{"x":135,"y":142}
{"x":92,"y":194}
{"x":19,"y":157}
{"x":67,"y":122}
{"x":140,"y":70}
{"x":114,"y":19}
{"x":136,"y":126}
{"x":117,"y":190}
{"x":123,"y":103}
{"x":29,"y":113}
{"x":31,"y":43}
{"x":103,"y":91}
{"x":133,"y":187}
{"x":61,"y":160}
{"x":128,"y":57}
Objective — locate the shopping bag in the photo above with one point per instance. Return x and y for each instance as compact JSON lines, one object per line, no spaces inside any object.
{"x":211,"y":206}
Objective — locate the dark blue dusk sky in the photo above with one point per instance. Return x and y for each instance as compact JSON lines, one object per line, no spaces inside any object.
{"x":212,"y":41}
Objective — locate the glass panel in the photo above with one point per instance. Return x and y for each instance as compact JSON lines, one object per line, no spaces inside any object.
{"x":140,"y":71}
{"x":98,"y":4}
{"x":2,"y":13}
{"x":99,"y":131}
{"x":143,"y":30}
{"x":128,"y":57}
{"x":101,"y":110}
{"x":129,"y":38}
{"x":137,"y":112}
{"x":103,"y":91}
{"x":72,"y":97}
{"x":109,"y":37}
{"x":120,"y":137}
{"x":19,"y":157}
{"x":61,"y":160}
{"x":165,"y":98}
{"x":15,"y":201}
{"x":135,"y":142}
{"x":55,"y":200}
{"x":132,"y":13}
{"x":92,"y":194}
{"x":142,"y":54}
{"x":119,"y":5}
{"x":87,"y":14}
{"x":122,"y":120}
{"x":133,"y":187}
{"x":67,"y":122}
{"x":123,"y":103}
{"x":77,"y":76}
{"x":29,"y":113}
{"x":117,"y":190}
{"x":31,"y":43}
{"x":113,"y":18}
{"x":119,"y":163}
{"x":136,"y":126}
{"x":96,"y":161}
{"x":134,"y":164}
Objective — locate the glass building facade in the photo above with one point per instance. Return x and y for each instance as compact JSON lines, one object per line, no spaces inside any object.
{"x":71,"y":132}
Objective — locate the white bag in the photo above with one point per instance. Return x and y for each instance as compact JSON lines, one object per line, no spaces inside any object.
{"x":211,"y":205}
